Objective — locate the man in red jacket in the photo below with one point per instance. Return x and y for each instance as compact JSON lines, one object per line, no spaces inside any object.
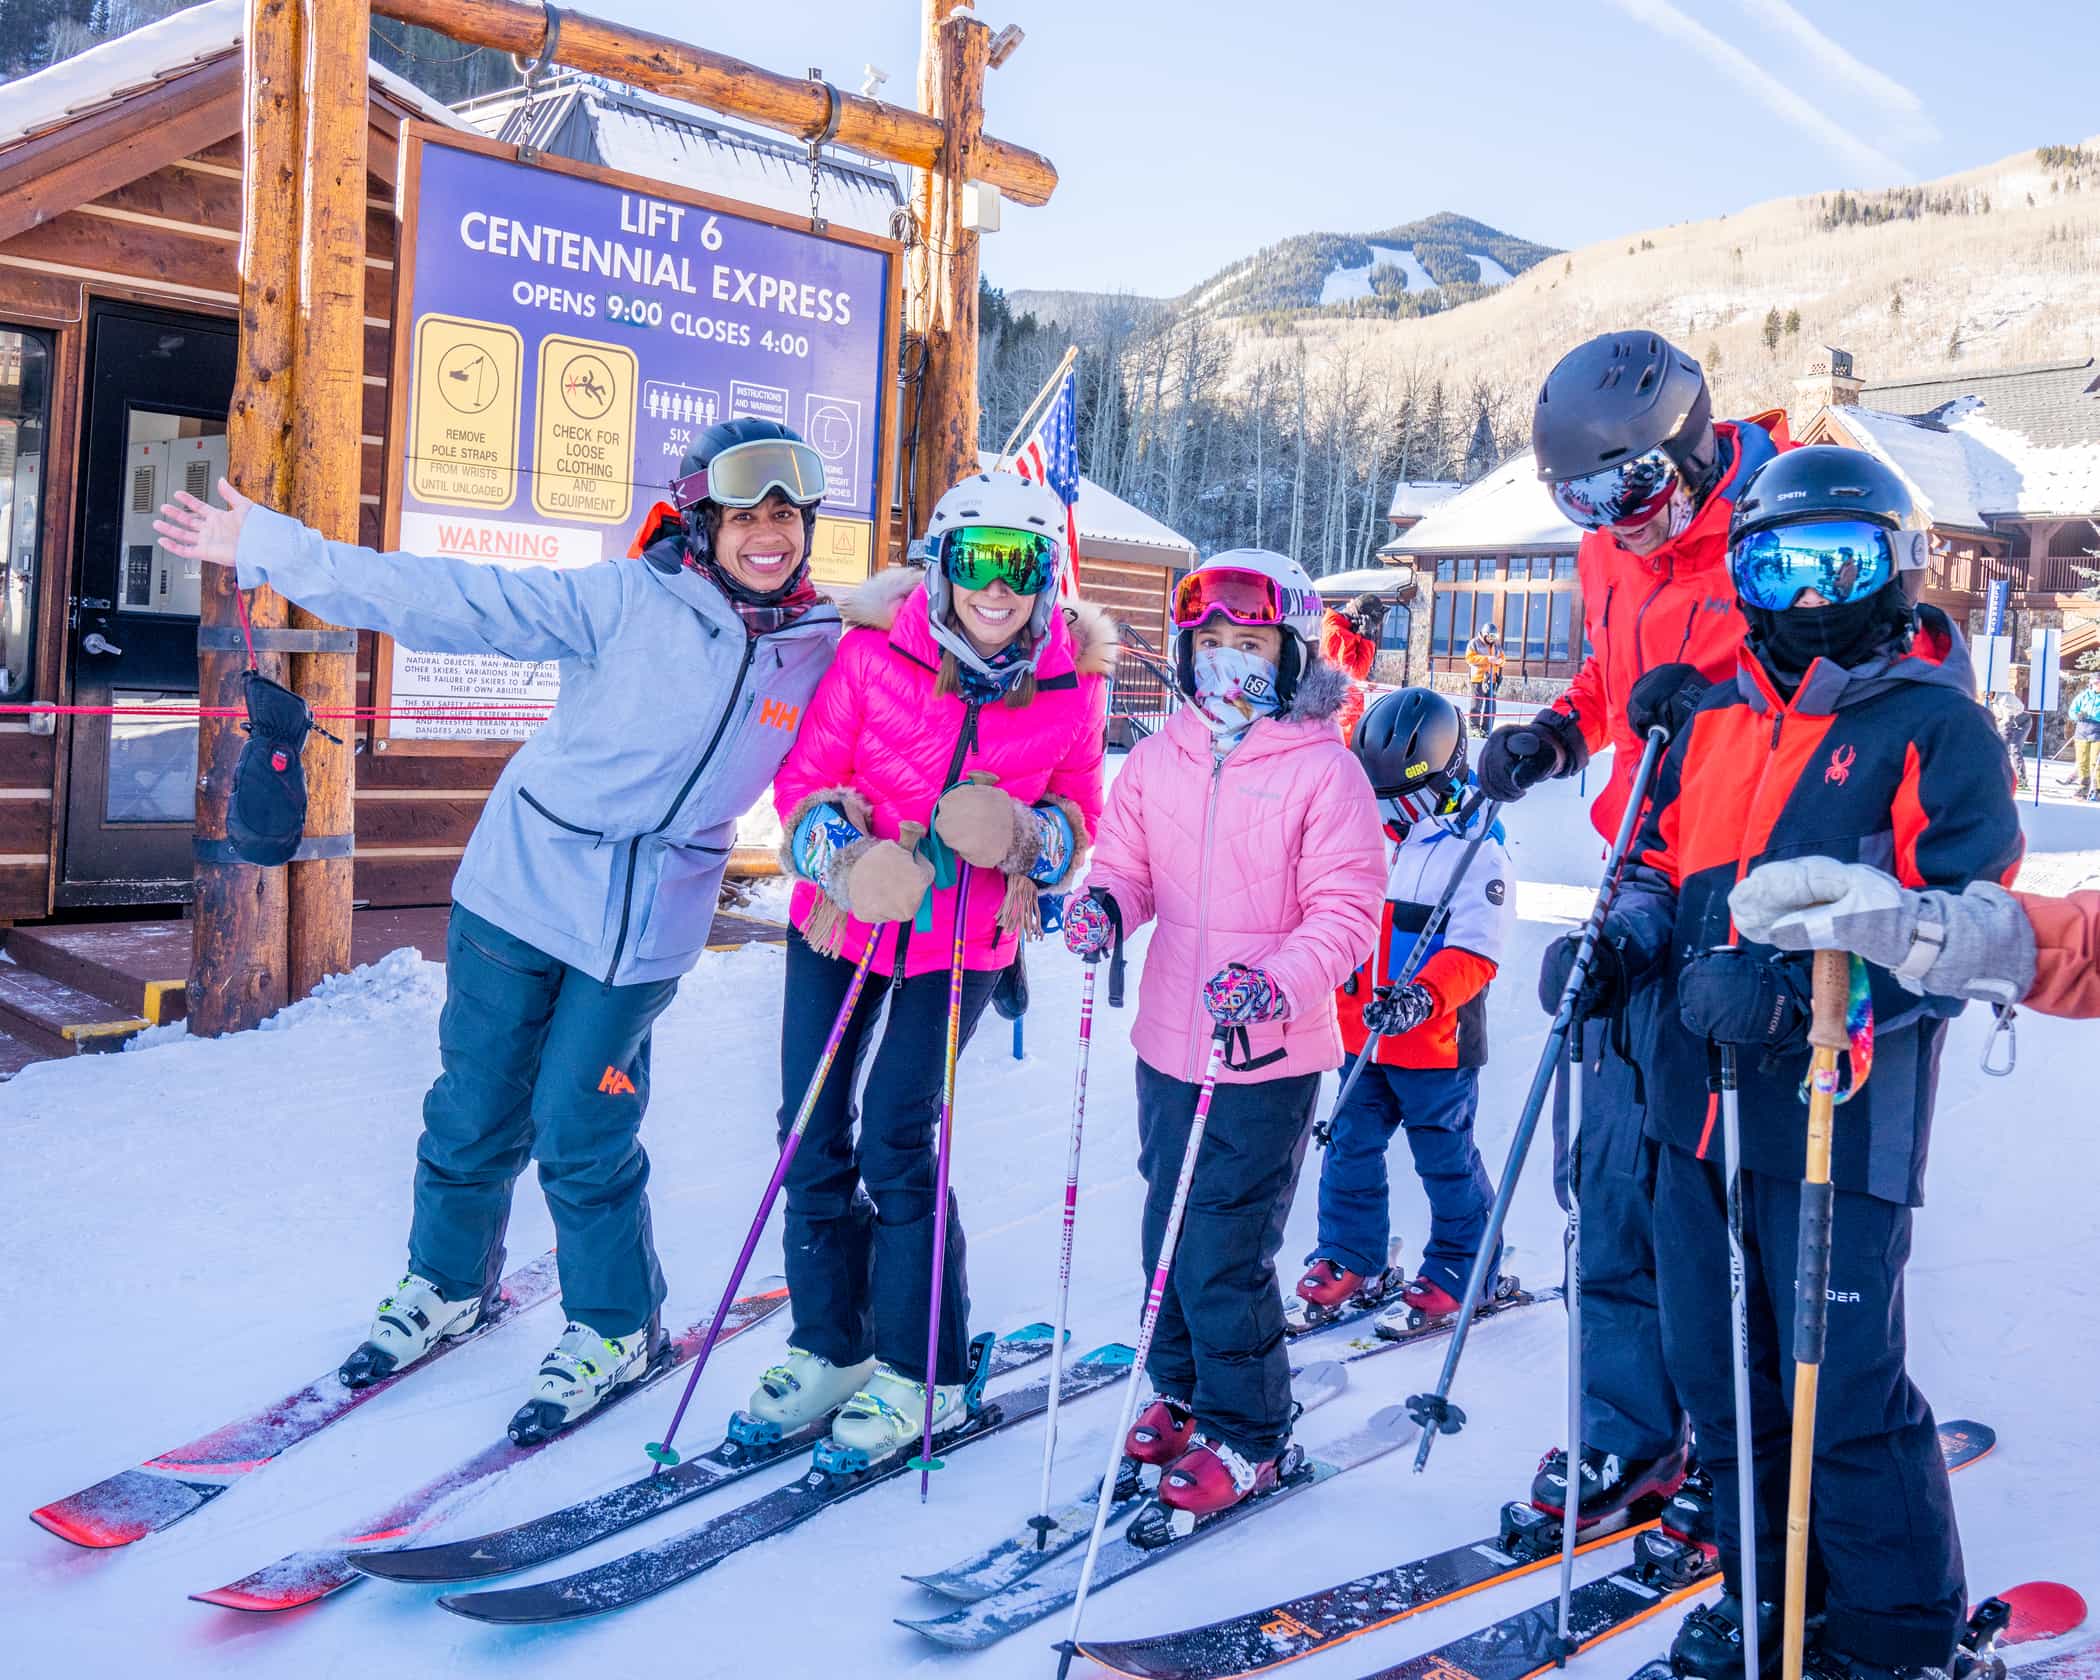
{"x":1627,"y":445}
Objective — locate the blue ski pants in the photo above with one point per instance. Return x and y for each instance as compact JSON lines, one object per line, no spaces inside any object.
{"x":542,"y":1062}
{"x":1434,"y":1106}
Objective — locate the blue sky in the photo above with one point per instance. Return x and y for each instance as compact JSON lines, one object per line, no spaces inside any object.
{"x":1187,"y":135}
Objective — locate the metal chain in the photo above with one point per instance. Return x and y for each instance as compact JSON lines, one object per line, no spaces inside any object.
{"x":834,"y":108}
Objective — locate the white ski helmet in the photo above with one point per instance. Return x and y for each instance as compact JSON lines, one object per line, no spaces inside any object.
{"x":1010,"y":502}
{"x":1299,"y":608}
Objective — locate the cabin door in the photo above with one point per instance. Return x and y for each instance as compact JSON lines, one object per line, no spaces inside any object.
{"x":159,"y":385}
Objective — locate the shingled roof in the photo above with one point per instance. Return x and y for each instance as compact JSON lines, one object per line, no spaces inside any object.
{"x":2047,"y":403}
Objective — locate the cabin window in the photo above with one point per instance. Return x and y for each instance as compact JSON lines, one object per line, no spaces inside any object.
{"x":25,"y":410}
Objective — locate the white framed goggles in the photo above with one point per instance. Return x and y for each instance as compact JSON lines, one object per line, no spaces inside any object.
{"x":745,"y":474}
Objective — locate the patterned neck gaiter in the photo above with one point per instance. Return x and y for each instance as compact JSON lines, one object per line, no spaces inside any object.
{"x":1233,"y":689}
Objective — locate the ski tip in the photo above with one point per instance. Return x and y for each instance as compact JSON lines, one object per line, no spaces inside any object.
{"x":1036,"y":1332}
{"x":234,"y":1598}
{"x":1325,"y":1377}
{"x":1392,"y":1423}
{"x":83,"y":1529}
{"x":2042,"y":1610}
{"x":1963,"y":1441}
{"x":1112,"y":1353}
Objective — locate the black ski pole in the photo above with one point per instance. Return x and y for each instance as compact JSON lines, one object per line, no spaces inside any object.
{"x":1434,"y":1411}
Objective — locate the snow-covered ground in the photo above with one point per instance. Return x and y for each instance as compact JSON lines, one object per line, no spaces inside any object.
{"x":193,"y":1228}
{"x":1344,"y":285}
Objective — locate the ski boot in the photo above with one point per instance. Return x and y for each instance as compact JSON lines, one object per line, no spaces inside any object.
{"x":1329,"y":1289}
{"x":797,"y":1394}
{"x":884,"y":1416}
{"x":1162,"y":1433}
{"x":409,"y":1323}
{"x":1207,"y":1479}
{"x":580,"y":1373}
{"x":1422,"y":1304}
{"x":1611,"y":1485}
{"x":1681,"y":1548}
{"x":1709,"y":1645}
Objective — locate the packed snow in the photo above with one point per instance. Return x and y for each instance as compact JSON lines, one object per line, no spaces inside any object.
{"x":1345,"y":285}
{"x":198,"y":1227}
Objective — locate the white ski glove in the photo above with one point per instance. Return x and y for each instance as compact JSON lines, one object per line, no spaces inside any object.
{"x":1978,"y":944}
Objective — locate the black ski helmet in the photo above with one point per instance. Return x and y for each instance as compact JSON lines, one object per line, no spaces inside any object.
{"x":700,"y":517}
{"x":1412,"y":741}
{"x":1828,"y":481}
{"x":1617,"y":397}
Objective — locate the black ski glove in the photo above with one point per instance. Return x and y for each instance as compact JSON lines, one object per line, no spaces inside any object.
{"x":1604,"y":987}
{"x":1751,"y":999}
{"x":1667,"y":695}
{"x":1519,"y":755}
{"x":266,"y":817}
{"x":1392,"y":1014}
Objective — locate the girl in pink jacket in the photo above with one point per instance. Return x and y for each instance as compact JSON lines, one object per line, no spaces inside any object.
{"x":1248,"y":833}
{"x":968,"y":670}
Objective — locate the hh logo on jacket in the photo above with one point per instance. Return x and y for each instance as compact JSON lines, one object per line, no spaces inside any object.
{"x":778,"y":714}
{"x":615,"y":1084}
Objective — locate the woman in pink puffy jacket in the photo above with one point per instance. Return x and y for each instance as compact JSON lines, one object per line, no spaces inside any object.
{"x":969,"y":670}
{"x":1249,"y":834}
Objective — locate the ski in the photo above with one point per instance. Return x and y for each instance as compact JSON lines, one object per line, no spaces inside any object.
{"x":1025,"y":1550}
{"x":643,"y":1574}
{"x":304,"y":1576}
{"x":1318,"y":1621}
{"x":545,"y":1539}
{"x":162,"y":1491}
{"x":1049,"y":1590}
{"x":1368,"y":1343}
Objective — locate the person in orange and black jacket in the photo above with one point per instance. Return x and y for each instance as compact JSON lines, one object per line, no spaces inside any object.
{"x":1849,"y":731}
{"x":1349,"y":642}
{"x":1628,"y":448}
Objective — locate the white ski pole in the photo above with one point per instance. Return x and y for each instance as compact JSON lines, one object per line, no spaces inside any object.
{"x":1571,"y":1489}
{"x":1168,"y":1238}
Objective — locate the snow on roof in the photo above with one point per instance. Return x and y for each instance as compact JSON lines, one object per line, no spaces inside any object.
{"x":1106,"y":517}
{"x":1508,"y":509}
{"x":2050,"y":402}
{"x":1364,"y":579}
{"x":620,"y":128}
{"x":1966,"y":466}
{"x":1413,"y":497}
{"x":158,"y":52}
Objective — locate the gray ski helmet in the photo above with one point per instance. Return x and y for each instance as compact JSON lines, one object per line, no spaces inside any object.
{"x":1828,"y":481}
{"x":1617,"y":397}
{"x":709,"y":443}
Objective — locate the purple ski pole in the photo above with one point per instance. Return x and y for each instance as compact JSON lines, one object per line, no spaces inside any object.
{"x":1169,"y":1239}
{"x":1041,"y":1522}
{"x":662,"y":1451}
{"x":926,"y":1463}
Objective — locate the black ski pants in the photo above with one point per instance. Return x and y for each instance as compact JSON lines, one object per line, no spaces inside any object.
{"x":1883,"y":1541}
{"x":860,"y":1192}
{"x":1219,"y":1343}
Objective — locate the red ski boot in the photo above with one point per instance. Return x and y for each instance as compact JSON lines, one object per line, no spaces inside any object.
{"x":1329,"y":1284}
{"x":1421,"y":1304}
{"x":1211,"y":1477}
{"x":1162,"y":1432}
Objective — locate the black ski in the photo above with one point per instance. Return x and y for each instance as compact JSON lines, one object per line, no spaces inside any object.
{"x":559,"y":1533}
{"x":1318,"y":1621}
{"x":645,"y":1573}
{"x":1152,"y":1535}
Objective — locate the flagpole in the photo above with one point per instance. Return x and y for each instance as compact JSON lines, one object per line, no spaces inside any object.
{"x":1035,"y":406}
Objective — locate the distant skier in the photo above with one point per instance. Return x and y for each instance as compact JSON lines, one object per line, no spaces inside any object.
{"x":1349,"y":642}
{"x":1627,"y":447}
{"x":1485,"y":663}
{"x":2014,"y":728}
{"x":1849,"y":730}
{"x":589,"y":885}
{"x":2085,"y":739}
{"x":968,"y":667}
{"x":1425,"y":1074}
{"x":1248,"y":834}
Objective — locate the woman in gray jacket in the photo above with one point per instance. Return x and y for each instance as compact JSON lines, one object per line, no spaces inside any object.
{"x":589,"y":884}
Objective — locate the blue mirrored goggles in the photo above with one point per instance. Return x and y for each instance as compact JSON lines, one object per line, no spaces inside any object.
{"x":1629,"y":492}
{"x":1840,"y":559}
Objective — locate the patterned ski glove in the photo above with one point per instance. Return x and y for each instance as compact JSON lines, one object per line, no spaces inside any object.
{"x":991,"y":829}
{"x":1090,"y":925}
{"x":1394,"y":1014}
{"x":1239,"y":996}
{"x":871,"y":880}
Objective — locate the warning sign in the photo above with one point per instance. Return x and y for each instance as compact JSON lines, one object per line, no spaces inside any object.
{"x":583,"y":452}
{"x":840,"y":550}
{"x":463,"y":436}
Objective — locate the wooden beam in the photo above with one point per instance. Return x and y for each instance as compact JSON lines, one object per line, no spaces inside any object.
{"x":786,"y":103}
{"x":947,"y":413}
{"x":329,"y":377}
{"x":238,"y":961}
{"x":82,"y":160}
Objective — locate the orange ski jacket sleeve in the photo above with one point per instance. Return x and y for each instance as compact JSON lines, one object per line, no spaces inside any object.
{"x":2066,"y":953}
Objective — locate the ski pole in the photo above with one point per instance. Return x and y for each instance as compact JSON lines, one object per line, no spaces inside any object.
{"x":662,"y":1451}
{"x":1439,"y":914}
{"x":1434,"y":1411}
{"x":1826,"y":1037}
{"x":1739,"y":1304}
{"x":926,"y":1463}
{"x":1158,"y":1292}
{"x":1042,"y":1522}
{"x":1565,"y":1644}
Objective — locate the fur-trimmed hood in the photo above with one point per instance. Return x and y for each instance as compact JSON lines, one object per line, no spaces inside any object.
{"x":1322,"y":687}
{"x":874,"y":605}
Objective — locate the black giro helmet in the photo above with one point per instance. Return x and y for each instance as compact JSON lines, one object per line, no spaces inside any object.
{"x":1412,"y":742}
{"x":699,"y":516}
{"x":1617,"y":397}
{"x":1828,"y":481}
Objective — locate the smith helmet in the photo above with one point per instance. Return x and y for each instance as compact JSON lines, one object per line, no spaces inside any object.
{"x":1826,"y":518}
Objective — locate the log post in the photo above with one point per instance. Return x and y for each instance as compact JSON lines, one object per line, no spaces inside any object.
{"x":329,"y":376}
{"x":237,"y":959}
{"x":918,"y":271}
{"x":948,"y":388}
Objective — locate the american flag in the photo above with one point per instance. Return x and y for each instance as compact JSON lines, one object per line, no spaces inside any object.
{"x":1050,"y":455}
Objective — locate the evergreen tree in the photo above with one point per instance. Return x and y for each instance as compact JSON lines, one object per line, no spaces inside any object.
{"x":1772,"y":328}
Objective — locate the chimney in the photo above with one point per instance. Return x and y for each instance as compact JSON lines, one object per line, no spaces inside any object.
{"x":1828,"y":382}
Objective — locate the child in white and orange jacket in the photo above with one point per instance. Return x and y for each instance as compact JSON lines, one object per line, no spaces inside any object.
{"x":1247,"y":832}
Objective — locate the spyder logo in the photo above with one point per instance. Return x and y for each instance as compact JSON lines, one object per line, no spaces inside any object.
{"x":1839,"y":769}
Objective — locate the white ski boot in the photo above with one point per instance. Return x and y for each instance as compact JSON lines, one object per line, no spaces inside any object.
{"x":409,"y":1323}
{"x":797,"y":1394}
{"x":578,"y":1375}
{"x":884,"y":1418}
